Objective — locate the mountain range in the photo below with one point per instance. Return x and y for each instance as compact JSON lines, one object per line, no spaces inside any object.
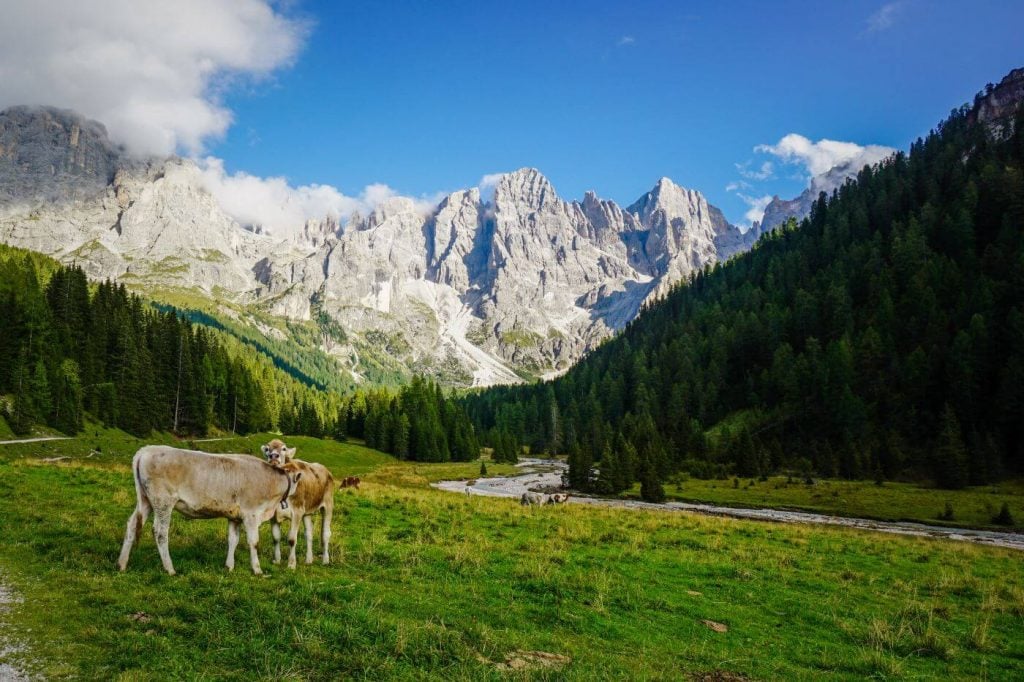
{"x":473,"y":291}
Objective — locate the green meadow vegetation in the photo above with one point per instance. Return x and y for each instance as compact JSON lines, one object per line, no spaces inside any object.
{"x":433,"y":585}
{"x":973,"y":507}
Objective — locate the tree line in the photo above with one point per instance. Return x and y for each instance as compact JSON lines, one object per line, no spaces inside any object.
{"x":74,"y":350}
{"x":882,"y":337}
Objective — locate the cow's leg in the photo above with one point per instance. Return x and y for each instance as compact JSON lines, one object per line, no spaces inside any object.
{"x":232,"y":543}
{"x":161,"y":528}
{"x":252,"y":536}
{"x":307,"y":521}
{"x":325,"y":531}
{"x":293,"y":537}
{"x":135,"y":523}
{"x":275,"y":531}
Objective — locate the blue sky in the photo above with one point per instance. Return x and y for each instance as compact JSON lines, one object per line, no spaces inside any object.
{"x":297,"y":108}
{"x":430,"y":96}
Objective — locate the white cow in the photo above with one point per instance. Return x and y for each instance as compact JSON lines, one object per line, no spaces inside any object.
{"x":243,"y":489}
{"x":529,"y":499}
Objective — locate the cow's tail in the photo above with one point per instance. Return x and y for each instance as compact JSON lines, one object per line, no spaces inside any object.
{"x":141,"y":498}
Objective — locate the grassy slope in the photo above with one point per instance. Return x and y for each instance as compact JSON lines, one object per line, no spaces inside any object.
{"x":973,"y":507}
{"x":430,"y":584}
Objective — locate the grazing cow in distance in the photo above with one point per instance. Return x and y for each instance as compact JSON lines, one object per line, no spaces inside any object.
{"x":350,"y":482}
{"x":530,"y":499}
{"x":243,"y":489}
{"x":313,"y":493}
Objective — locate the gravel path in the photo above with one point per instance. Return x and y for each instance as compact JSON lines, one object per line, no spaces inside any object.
{"x":32,"y":440}
{"x":539,"y":473}
{"x":9,"y":672}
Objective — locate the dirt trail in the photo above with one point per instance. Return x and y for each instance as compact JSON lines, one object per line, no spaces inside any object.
{"x":9,"y":672}
{"x":32,"y":440}
{"x":540,"y":473}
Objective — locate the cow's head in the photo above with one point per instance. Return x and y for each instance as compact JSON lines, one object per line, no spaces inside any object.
{"x":293,"y":472}
{"x":277,"y":453}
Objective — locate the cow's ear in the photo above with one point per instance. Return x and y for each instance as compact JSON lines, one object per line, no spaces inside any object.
{"x":289,"y":453}
{"x":265,"y":449}
{"x":298,"y":476}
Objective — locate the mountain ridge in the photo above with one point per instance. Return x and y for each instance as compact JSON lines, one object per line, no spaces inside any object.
{"x":471,"y":291}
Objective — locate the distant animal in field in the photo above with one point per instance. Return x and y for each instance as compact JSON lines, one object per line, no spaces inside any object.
{"x":530,"y":499}
{"x":243,"y":489}
{"x":276,"y":452}
{"x":313,"y":493}
{"x":350,"y":482}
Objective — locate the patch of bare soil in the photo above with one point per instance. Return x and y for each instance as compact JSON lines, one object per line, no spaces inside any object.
{"x":718,"y":676}
{"x":530,"y":660}
{"x":717,"y":627}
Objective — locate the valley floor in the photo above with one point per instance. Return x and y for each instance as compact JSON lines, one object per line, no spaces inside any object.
{"x":543,"y":475}
{"x":432,"y":585}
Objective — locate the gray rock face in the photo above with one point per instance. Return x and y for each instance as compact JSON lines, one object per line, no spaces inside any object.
{"x":67,"y":192}
{"x":477,"y":292}
{"x":53,"y":155}
{"x":996,"y":106}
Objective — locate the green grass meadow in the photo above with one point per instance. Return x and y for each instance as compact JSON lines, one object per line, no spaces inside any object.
{"x":434,"y":585}
{"x":890,"y":501}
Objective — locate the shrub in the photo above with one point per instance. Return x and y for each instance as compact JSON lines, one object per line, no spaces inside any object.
{"x":1004,"y":517}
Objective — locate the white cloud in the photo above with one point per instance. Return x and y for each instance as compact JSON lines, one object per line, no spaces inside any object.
{"x":626,"y":40}
{"x":756,"y":205}
{"x":152,"y":72}
{"x":821,"y":156}
{"x":884,"y":18}
{"x":738,"y":184}
{"x":282,"y":209}
{"x":765,"y":172}
{"x":487,"y":184}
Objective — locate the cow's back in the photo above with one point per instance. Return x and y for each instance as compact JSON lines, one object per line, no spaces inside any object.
{"x":206,"y":485}
{"x":314,"y":487}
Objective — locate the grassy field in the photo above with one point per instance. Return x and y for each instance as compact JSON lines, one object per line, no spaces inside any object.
{"x":433,"y":585}
{"x":973,"y":507}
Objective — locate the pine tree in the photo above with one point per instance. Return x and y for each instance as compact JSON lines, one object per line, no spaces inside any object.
{"x":951,"y":465}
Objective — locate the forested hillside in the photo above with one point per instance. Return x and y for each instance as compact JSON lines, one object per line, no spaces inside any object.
{"x":73,"y":349}
{"x":882,"y":337}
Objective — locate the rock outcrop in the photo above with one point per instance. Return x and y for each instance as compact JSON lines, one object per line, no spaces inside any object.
{"x":996,"y":106}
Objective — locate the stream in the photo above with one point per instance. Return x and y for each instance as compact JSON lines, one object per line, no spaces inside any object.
{"x":546,"y":474}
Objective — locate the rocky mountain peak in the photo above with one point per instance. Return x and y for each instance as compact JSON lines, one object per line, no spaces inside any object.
{"x":471,"y":291}
{"x":388,"y":209}
{"x":53,"y":155}
{"x":525,"y":187}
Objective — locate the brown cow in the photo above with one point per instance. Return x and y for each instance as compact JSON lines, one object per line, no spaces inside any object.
{"x":315,"y":492}
{"x":350,"y":482}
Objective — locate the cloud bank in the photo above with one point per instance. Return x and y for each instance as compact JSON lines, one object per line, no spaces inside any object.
{"x":282,"y":209}
{"x":820,"y":157}
{"x":155,"y":73}
{"x":756,"y":207}
{"x":151,"y":71}
{"x":815,"y":159}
